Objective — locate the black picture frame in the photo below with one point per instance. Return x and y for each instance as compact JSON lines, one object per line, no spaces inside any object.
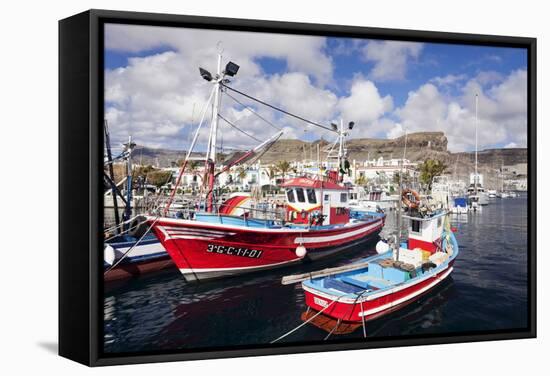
{"x":80,"y":161}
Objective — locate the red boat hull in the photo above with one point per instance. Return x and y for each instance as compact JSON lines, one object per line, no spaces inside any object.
{"x":370,"y":308}
{"x":203,"y":250}
{"x":132,"y":270}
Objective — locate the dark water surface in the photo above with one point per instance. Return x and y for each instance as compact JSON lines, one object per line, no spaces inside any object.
{"x":486,"y":291}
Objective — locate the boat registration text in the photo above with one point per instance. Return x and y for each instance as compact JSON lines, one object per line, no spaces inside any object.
{"x":234,"y":251}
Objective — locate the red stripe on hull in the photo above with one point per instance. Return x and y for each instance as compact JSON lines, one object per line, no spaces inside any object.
{"x":248,"y":249}
{"x":386,"y":304}
{"x":427,"y":246}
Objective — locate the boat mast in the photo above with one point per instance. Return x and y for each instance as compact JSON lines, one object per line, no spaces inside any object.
{"x":129,"y":148}
{"x":212,"y":140}
{"x":341,"y":146}
{"x":400,"y":192}
{"x":215,"y":112}
{"x":476,"y":178}
{"x":111,"y":173}
{"x":502,"y":175}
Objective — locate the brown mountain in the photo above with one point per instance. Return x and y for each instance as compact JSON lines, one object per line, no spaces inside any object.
{"x":420,"y":146}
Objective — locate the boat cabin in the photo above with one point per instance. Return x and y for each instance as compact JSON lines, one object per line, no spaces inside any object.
{"x":316,"y":202}
{"x":425,"y":232}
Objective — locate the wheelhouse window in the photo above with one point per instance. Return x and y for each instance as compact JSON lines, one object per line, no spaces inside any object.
{"x":311,"y":196}
{"x":300,"y":195}
{"x":415,"y":225}
{"x":290,"y":195}
{"x":343,"y":197}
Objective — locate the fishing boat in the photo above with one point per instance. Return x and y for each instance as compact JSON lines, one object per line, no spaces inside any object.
{"x":460,"y":206}
{"x":444,"y":191}
{"x":376,"y":199}
{"x":128,"y":250}
{"x":122,"y":259}
{"x":218,"y":242}
{"x":380,"y":284}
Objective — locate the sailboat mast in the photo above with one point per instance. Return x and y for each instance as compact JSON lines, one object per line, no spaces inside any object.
{"x":502,"y":175}
{"x":400,"y":193}
{"x":476,"y":178}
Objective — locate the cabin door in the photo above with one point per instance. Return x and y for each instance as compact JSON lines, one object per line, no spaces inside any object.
{"x":326,"y":208}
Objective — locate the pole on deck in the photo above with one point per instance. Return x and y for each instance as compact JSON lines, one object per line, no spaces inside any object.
{"x":111,"y":174}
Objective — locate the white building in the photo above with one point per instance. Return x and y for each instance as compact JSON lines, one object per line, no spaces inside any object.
{"x":384,"y":169}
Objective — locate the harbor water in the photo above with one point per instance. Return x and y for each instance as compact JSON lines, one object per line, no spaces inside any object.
{"x":487,"y":291}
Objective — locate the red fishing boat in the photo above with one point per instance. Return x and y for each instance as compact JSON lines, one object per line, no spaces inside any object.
{"x":383,"y":283}
{"x":215,"y":243}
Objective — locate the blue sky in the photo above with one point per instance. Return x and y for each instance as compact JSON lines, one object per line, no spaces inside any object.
{"x":386,"y":87}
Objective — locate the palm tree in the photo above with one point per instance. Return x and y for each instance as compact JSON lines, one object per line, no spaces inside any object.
{"x":271,"y":173}
{"x":241,"y":173}
{"x":361,"y":181}
{"x":283,"y":167}
{"x":158,"y":178}
{"x":429,"y":169}
{"x":193,"y":165}
{"x":397,"y":178}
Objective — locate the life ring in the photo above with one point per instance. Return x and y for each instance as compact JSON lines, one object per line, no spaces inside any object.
{"x":407,"y":201}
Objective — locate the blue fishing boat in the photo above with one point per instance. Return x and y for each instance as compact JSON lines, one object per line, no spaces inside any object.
{"x":385,"y":282}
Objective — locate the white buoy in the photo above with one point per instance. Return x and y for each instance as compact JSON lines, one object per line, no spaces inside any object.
{"x":382,"y":247}
{"x":301,"y":251}
{"x":109,"y":254}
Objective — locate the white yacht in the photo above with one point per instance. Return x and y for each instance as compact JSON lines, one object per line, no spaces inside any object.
{"x":372,"y":200}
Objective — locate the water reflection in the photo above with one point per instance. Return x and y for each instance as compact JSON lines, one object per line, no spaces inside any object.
{"x":487,"y":291}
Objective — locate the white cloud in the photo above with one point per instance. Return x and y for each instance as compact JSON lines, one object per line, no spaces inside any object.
{"x":301,"y":53}
{"x":364,"y":105}
{"x":390,"y":58}
{"x":450,"y":79}
{"x":488,"y":77}
{"x":396,"y":131}
{"x":502,"y":112}
{"x":158,"y":98}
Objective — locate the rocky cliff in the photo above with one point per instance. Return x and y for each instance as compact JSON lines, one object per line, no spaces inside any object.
{"x":420,"y":146}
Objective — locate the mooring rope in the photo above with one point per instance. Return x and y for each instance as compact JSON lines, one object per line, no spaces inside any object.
{"x":123,"y":232}
{"x":120,"y":224}
{"x":363,"y":320}
{"x":305,"y":322}
{"x":333,"y":329}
